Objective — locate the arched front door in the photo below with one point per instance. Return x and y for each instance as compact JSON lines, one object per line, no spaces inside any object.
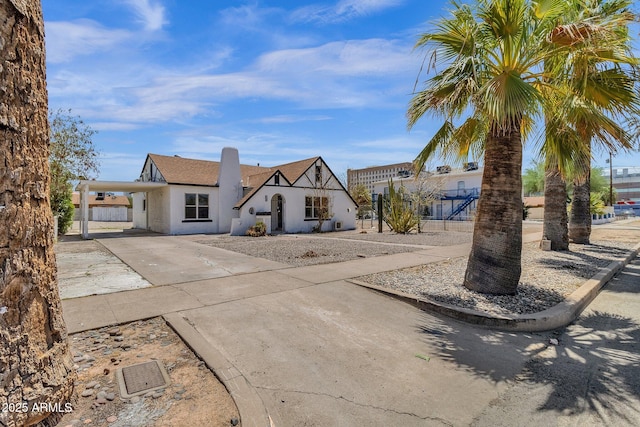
{"x":277,"y":213}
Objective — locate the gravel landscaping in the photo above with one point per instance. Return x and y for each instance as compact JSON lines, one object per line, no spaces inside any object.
{"x":301,"y":250}
{"x":547,"y":277}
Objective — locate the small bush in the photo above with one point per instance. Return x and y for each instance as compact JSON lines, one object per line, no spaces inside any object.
{"x":62,"y":206}
{"x":257,"y":230}
{"x":65,"y":220}
{"x":597,"y":203}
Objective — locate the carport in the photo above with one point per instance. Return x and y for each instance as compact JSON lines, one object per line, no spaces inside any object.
{"x":85,"y":186}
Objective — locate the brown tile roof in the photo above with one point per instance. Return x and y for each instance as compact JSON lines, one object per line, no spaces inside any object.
{"x":291,"y":172}
{"x":108,"y":200}
{"x":180,"y":170}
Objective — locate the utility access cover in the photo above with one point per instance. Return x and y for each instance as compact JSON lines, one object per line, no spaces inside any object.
{"x":141,"y":378}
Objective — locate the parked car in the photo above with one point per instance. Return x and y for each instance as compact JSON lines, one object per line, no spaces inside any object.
{"x":627,"y":213}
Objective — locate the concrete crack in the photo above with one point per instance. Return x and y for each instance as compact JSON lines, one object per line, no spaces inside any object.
{"x":362,"y":405}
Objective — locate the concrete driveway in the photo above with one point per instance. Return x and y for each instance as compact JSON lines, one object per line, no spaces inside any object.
{"x":301,"y":346}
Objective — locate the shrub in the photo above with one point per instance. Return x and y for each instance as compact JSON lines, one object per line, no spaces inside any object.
{"x":257,"y":230}
{"x":597,"y":203}
{"x":62,"y":206}
{"x":398,"y":213}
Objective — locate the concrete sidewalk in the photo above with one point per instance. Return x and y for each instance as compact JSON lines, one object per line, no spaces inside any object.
{"x":301,"y":346}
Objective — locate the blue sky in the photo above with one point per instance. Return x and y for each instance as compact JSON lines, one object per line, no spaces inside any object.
{"x":279,"y":80}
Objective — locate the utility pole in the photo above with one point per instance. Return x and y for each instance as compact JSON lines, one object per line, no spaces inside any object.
{"x":610,"y":179}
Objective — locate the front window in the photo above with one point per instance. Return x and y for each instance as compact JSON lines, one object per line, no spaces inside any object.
{"x":196,"y":206}
{"x":316,"y":207}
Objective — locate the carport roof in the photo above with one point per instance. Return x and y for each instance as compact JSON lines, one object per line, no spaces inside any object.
{"x":123,"y":186}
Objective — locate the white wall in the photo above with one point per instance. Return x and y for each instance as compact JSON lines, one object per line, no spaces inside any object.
{"x":158,"y":207}
{"x":109,"y":214}
{"x":341,"y":205}
{"x":229,"y":188}
{"x":178,"y":224}
{"x":447,"y":182}
{"x":139,"y":214}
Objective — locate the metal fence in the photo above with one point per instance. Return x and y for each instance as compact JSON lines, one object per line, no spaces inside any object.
{"x":444,"y":225}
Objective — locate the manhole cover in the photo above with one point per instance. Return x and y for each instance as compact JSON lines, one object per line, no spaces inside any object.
{"x":141,"y":378}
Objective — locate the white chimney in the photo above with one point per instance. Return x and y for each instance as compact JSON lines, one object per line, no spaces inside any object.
{"x":230,"y":188}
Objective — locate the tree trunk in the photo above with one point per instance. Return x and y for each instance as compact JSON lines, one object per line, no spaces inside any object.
{"x":494,"y":263}
{"x":580,"y":221}
{"x":555,"y":226}
{"x":580,"y":218}
{"x":36,"y":368}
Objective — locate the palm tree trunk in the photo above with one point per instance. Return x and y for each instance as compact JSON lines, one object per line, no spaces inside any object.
{"x":555,"y":226}
{"x":35,"y":358}
{"x":580,"y":220}
{"x":494,"y":263}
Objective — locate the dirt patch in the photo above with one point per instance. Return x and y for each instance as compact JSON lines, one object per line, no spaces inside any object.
{"x":628,"y":232}
{"x":193,"y":397}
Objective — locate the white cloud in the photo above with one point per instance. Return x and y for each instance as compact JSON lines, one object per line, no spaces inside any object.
{"x":342,"y":11}
{"x":246,"y":16}
{"x":150,"y":13}
{"x":291,"y":119}
{"x":127,"y":89}
{"x":346,"y":58}
{"x":66,"y":40}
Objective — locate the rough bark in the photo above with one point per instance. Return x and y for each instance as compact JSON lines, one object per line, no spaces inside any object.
{"x":580,"y":219}
{"x":36,"y":368}
{"x":555,"y":227}
{"x":495,"y":261}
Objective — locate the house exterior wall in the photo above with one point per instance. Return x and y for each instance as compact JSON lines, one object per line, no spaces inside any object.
{"x":139,"y":211}
{"x":166,"y":212}
{"x":159,"y":207}
{"x":341,"y":207}
{"x":175,"y":213}
{"x":447,"y":181}
{"x":229,"y":188}
{"x":454,"y":187}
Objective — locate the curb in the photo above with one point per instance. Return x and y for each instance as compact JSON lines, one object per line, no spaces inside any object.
{"x":250,"y":406}
{"x":555,"y":317}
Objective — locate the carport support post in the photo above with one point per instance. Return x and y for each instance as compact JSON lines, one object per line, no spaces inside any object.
{"x":146,"y":210}
{"x":379,"y":212}
{"x":84,"y":212}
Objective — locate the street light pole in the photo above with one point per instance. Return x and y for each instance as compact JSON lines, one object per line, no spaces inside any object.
{"x":610,"y":180}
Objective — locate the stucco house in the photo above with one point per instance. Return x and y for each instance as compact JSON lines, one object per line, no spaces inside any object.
{"x":199,"y":196}
{"x":457,"y":190}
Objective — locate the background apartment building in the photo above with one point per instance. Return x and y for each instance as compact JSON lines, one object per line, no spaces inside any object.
{"x":370,"y":175}
{"x":626,"y":182}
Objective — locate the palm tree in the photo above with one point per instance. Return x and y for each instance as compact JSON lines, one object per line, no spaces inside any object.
{"x":35,"y":358}
{"x":601,"y":91}
{"x":492,"y":55}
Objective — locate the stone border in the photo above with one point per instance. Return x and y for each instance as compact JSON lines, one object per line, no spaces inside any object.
{"x":555,"y":317}
{"x":250,"y":406}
